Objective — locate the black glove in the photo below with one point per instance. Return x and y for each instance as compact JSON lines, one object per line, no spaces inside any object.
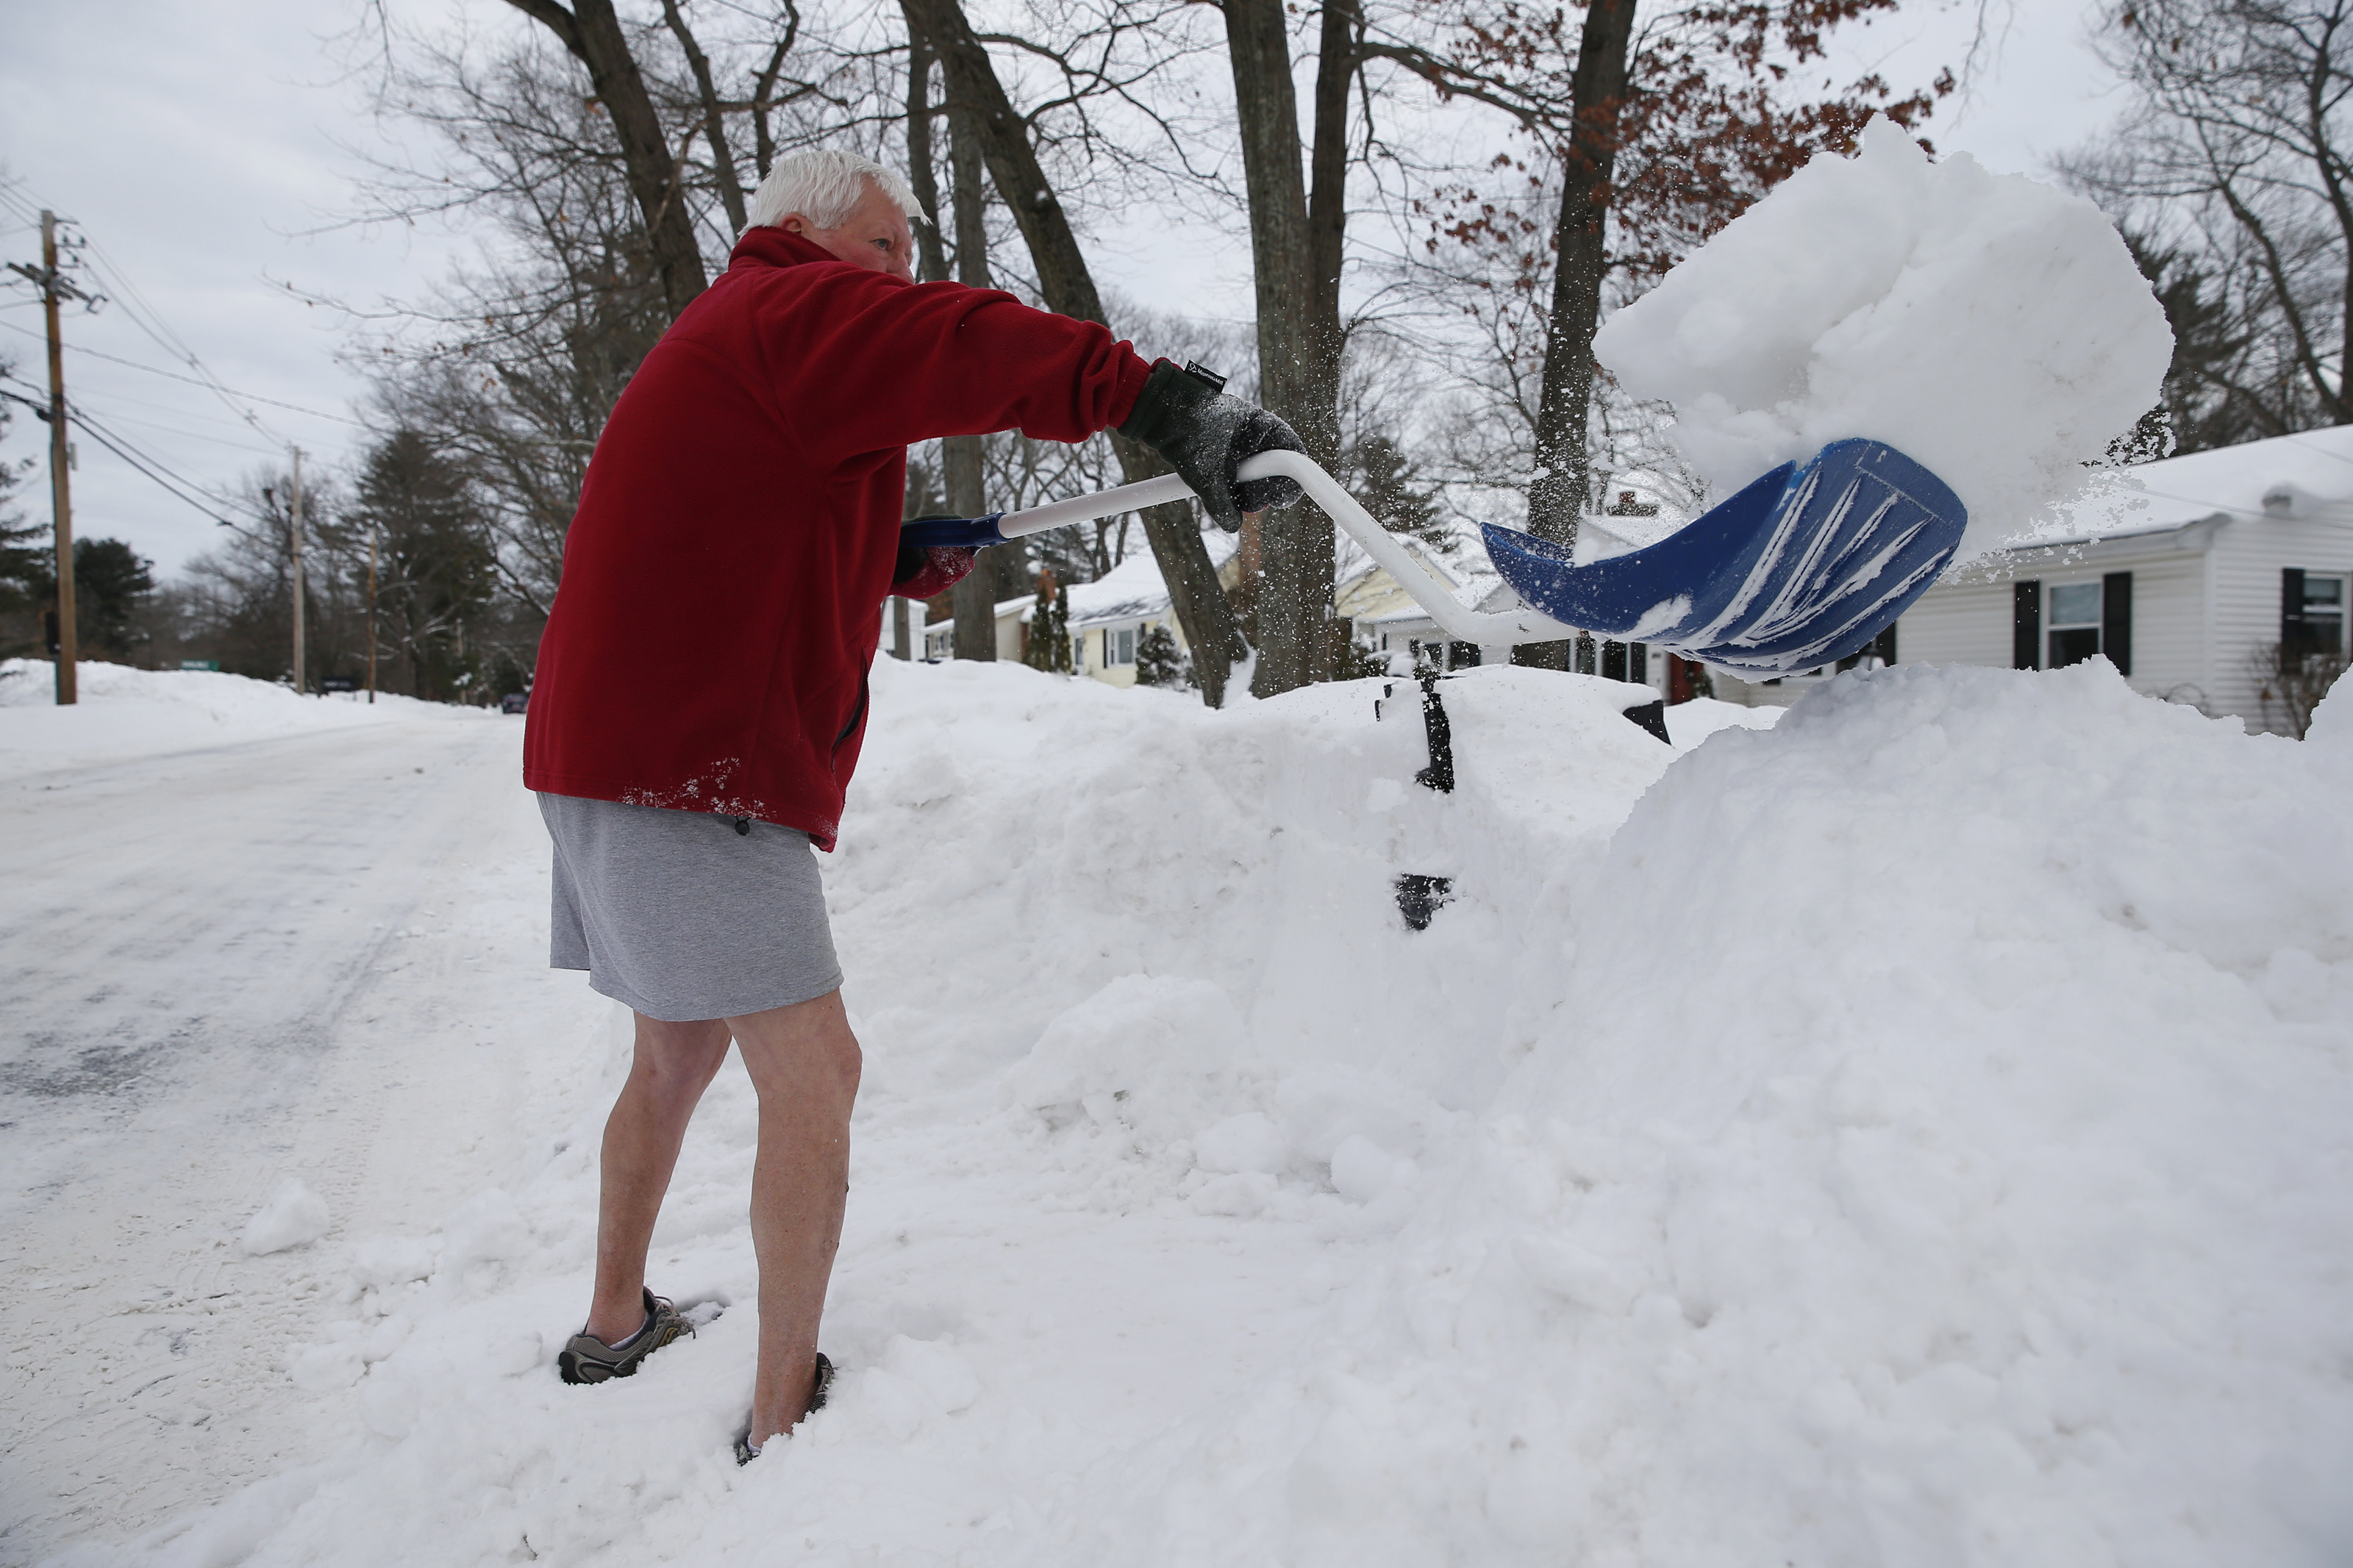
{"x":1205,"y":434}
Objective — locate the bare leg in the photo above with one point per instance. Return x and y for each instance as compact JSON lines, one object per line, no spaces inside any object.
{"x":804,"y":1061}
{"x":675,"y":1063}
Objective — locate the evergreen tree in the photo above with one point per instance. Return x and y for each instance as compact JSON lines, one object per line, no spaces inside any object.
{"x":1038,"y":653}
{"x":436,"y":573}
{"x":1049,"y":628}
{"x":110,"y":582}
{"x":26,"y":574}
{"x":1379,"y":475}
{"x":2200,"y":410}
{"x":1157,"y":661}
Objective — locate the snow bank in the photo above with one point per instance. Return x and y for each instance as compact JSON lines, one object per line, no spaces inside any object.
{"x":1990,"y":328}
{"x":1916,"y":1134}
{"x":1976,"y":1196}
{"x":123,"y":713}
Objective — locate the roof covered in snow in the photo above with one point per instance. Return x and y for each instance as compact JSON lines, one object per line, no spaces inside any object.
{"x":1135,"y":587}
{"x":2284,"y":477}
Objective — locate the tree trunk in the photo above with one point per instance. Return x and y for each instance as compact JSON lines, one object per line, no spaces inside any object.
{"x":1297,"y":240}
{"x":1288,"y":611}
{"x":1559,"y":496}
{"x":962,"y":456}
{"x":1004,"y":569}
{"x":922,"y":178}
{"x":714,"y":124}
{"x":1336,"y":64}
{"x":1202,"y":610}
{"x":593,"y":35}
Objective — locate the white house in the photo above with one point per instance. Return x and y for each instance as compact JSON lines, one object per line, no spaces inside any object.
{"x":939,"y":636}
{"x":2184,"y":577}
{"x":1108,"y":616}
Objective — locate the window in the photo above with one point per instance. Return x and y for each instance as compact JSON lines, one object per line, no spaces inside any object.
{"x":2083,"y":619}
{"x":2312,"y":612}
{"x":2074,"y":628}
{"x":1882,"y":648}
{"x":1125,"y":654}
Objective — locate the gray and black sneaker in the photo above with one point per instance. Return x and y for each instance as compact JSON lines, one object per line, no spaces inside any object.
{"x":821,"y":1381}
{"x":587,"y":1359}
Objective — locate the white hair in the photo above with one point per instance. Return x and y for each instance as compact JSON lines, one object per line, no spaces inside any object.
{"x":822,"y":185}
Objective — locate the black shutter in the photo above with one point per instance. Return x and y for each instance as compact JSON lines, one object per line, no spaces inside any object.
{"x":2116,"y":620}
{"x":1884,"y":644}
{"x":1638,"y":663}
{"x":2026,"y":626}
{"x":2294,"y":634}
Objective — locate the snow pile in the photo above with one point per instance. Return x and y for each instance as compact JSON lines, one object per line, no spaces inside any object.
{"x":122,"y":713}
{"x":294,"y":1217}
{"x":1988,"y":327}
{"x":1976,"y":1195}
{"x":1919,"y":1133}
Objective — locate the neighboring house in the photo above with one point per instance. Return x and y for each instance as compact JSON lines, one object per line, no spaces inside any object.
{"x":2186,"y":579}
{"x":1107,"y":617}
{"x":1384,"y":619}
{"x":939,"y":636}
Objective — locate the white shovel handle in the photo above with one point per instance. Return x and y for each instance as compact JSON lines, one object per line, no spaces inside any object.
{"x":1462,"y":624}
{"x":1103,"y":503}
{"x":1458,"y":620}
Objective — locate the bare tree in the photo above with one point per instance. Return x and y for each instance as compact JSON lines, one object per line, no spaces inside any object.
{"x":2228,"y":169}
{"x":591,"y":32}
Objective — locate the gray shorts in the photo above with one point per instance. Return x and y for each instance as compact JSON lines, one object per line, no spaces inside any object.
{"x":680,"y":916}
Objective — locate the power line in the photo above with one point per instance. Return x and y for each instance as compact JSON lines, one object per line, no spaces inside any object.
{"x":147,"y":319}
{"x":156,"y":472}
{"x":192,"y":381}
{"x":181,"y":488}
{"x":82,"y":402}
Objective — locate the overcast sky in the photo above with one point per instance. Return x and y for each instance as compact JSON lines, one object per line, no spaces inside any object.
{"x":200,"y":147}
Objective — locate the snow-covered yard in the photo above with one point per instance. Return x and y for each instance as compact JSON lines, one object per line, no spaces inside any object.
{"x":1916,"y":1134}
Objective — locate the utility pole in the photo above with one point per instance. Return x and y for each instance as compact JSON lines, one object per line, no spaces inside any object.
{"x":53,"y":288}
{"x":370,"y":613}
{"x":294,"y":534}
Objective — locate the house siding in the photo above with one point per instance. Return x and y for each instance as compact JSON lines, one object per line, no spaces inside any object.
{"x":2247,"y":600}
{"x":2205,"y":598}
{"x":2168,"y":648}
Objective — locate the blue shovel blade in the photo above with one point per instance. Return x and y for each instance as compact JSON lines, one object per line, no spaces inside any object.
{"x":1803,"y":567}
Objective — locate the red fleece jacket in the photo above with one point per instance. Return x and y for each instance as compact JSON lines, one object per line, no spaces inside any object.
{"x":724,"y":575}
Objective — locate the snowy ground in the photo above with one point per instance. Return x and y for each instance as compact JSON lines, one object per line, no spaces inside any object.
{"x":1918,"y":1133}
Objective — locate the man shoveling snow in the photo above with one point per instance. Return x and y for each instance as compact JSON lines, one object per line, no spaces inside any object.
{"x":702,"y":694}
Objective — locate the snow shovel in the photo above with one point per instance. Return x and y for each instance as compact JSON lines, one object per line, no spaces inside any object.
{"x":1805,"y":567}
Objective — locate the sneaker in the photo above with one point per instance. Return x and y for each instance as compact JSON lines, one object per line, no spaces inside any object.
{"x":746,"y":1453}
{"x":587,"y":1359}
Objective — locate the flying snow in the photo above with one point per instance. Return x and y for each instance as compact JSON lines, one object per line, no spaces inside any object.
{"x":1988,"y":327}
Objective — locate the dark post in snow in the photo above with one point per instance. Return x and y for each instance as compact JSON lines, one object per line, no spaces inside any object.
{"x":60,"y":496}
{"x":294,"y":543}
{"x":371,"y":611}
